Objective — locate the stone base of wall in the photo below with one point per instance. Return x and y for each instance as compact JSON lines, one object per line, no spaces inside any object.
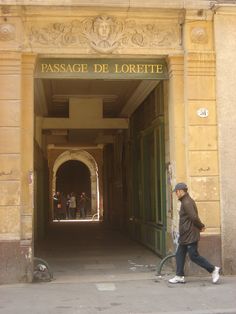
{"x":210,"y":248}
{"x":15,"y":262}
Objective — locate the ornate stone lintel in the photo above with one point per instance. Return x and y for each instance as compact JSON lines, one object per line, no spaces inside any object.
{"x":105,"y":34}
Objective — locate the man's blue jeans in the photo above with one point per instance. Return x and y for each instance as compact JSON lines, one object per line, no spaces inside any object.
{"x":192,"y":250}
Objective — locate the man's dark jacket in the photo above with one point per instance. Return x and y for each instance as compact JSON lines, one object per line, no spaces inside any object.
{"x":189,"y":222}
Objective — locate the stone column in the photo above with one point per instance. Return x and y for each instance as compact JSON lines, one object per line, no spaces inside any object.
{"x":16,"y":167}
{"x":201,"y":128}
{"x":177,"y":141}
{"x":225,"y":31}
{"x":27,"y":157}
{"x":10,"y":172}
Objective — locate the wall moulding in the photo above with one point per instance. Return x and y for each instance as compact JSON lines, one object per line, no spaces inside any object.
{"x":126,"y":4}
{"x":201,"y":57}
{"x":176,"y":66}
{"x":201,"y":65}
{"x":102,"y":34}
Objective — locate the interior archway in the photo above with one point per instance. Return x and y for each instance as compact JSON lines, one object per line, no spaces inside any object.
{"x":91,"y":169}
{"x":73,"y":176}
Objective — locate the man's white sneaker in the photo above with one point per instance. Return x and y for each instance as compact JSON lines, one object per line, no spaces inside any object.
{"x":215,"y":274}
{"x":177,"y":279}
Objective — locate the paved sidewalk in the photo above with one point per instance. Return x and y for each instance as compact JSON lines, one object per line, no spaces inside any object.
{"x":120,"y":296}
{"x":99,"y":270}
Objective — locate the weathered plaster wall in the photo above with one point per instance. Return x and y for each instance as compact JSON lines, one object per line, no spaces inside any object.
{"x":225,"y":34}
{"x":10,"y":101}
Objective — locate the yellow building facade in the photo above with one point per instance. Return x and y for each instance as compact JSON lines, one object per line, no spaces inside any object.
{"x":118,"y":86}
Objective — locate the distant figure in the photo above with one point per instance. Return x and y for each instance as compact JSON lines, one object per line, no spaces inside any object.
{"x":57,"y":205}
{"x":82,"y":204}
{"x":72,"y":206}
{"x":63,"y":206}
{"x":68,"y":206}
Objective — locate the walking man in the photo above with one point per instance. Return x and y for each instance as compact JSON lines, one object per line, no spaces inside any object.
{"x":190,"y":227}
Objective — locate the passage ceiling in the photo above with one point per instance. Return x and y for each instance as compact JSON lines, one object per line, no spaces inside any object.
{"x":119,"y":98}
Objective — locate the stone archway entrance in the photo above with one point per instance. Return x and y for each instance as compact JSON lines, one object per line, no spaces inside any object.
{"x":89,"y":161}
{"x":73,"y":176}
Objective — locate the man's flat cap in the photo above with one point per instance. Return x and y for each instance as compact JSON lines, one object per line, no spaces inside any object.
{"x":180,"y":186}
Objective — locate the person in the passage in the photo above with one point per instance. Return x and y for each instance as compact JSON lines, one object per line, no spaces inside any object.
{"x":190,"y":227}
{"x":83,"y":204}
{"x":57,"y":205}
{"x":63,"y":206}
{"x":68,"y":206}
{"x":72,"y":206}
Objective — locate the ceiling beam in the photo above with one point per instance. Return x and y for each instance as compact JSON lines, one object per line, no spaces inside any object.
{"x":68,"y":123}
{"x":139,"y":95}
{"x":85,"y":114}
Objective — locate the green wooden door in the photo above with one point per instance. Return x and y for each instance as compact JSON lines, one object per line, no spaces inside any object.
{"x":149,"y":185}
{"x":153,"y":174}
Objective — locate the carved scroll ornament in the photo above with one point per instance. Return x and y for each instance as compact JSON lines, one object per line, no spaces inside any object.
{"x":105,"y":34}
